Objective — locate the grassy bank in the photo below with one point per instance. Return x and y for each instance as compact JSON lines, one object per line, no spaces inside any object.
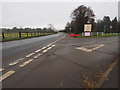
{"x":104,"y":35}
{"x":15,"y":36}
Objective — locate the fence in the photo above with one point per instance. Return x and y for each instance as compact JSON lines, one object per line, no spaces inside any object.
{"x":100,"y":34}
{"x":21,"y":35}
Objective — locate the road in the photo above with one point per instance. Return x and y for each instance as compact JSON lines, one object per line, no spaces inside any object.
{"x":58,"y":61}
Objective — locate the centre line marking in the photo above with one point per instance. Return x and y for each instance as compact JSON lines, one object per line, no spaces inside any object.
{"x":29,"y":55}
{"x":45,"y":51}
{"x":38,"y":50}
{"x":38,"y":55}
{"x":6,"y":75}
{"x":17,"y":61}
{"x":43,"y":47}
{"x":25,"y":63}
{"x":1,"y":69}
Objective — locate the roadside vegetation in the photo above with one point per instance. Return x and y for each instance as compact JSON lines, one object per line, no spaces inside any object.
{"x":103,"y":35}
{"x":85,"y":15}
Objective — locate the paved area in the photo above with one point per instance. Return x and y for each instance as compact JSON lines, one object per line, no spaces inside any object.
{"x":59,"y":61}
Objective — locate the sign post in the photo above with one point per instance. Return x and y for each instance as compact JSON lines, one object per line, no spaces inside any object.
{"x":104,"y":28}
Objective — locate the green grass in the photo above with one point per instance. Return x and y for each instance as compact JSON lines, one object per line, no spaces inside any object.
{"x":104,"y":35}
{"x":15,"y":36}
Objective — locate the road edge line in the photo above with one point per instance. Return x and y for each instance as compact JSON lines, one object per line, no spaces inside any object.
{"x":102,"y":79}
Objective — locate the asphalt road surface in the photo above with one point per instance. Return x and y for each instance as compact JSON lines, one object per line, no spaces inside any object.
{"x":59,"y":61}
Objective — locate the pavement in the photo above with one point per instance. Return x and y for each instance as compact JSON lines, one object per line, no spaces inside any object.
{"x":59,"y":61}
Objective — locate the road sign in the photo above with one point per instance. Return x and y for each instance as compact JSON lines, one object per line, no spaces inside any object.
{"x":105,"y":26}
{"x":87,"y":33}
{"x":87,"y":27}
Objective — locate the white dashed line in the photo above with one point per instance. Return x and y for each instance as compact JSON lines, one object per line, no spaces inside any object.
{"x":17,"y":61}
{"x":6,"y":75}
{"x":38,"y":55}
{"x":1,"y":69}
{"x":29,"y":55}
{"x":45,"y":51}
{"x":25,"y":63}
{"x":43,"y":47}
{"x":38,"y":50}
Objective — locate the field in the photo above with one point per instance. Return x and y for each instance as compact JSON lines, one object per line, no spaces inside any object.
{"x":16,"y":36}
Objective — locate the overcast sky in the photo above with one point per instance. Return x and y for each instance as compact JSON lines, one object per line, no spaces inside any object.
{"x":40,"y":14}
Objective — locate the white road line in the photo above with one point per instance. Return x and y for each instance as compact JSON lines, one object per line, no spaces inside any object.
{"x":17,"y":61}
{"x":38,"y":50}
{"x":38,"y":55}
{"x":1,"y":69}
{"x":45,"y":51}
{"x":6,"y":75}
{"x":53,"y":45}
{"x":49,"y":45}
{"x":43,"y":47}
{"x":49,"y":48}
{"x":25,"y":63}
{"x":29,"y":55}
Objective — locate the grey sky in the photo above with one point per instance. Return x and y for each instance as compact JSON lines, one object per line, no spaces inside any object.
{"x":40,"y":14}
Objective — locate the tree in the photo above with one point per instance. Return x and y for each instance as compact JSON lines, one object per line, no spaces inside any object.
{"x":119,"y":26}
{"x":114,"y":25}
{"x":81,"y":16}
{"x":107,"y":22}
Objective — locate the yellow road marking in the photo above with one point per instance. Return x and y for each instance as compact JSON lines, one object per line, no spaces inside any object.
{"x":6,"y":75}
{"x":1,"y":69}
{"x":98,"y":47}
{"x":105,"y":75}
{"x":17,"y":61}
{"x":25,"y":63}
{"x":38,"y":50}
{"x":29,"y":55}
{"x":38,"y":55}
{"x":89,"y":50}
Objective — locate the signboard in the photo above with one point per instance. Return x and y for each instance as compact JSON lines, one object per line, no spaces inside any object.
{"x":87,"y":33}
{"x":87,"y":27}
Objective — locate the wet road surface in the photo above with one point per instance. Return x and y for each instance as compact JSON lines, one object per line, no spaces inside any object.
{"x":57,"y":61}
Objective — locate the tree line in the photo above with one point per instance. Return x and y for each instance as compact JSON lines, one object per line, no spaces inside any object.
{"x":85,"y":15}
{"x":49,"y":29}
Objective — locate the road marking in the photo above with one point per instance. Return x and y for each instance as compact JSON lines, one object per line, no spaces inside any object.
{"x":53,"y":45}
{"x":25,"y":63}
{"x":6,"y":75}
{"x":49,"y":48}
{"x":45,"y":51}
{"x":38,"y":50}
{"x":38,"y":55}
{"x":49,"y":45}
{"x":89,"y":50}
{"x":105,"y":75}
{"x":43,"y":47}
{"x":98,"y":47}
{"x":17,"y":61}
{"x":1,"y":69}
{"x":29,"y":55}
{"x":84,"y":49}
